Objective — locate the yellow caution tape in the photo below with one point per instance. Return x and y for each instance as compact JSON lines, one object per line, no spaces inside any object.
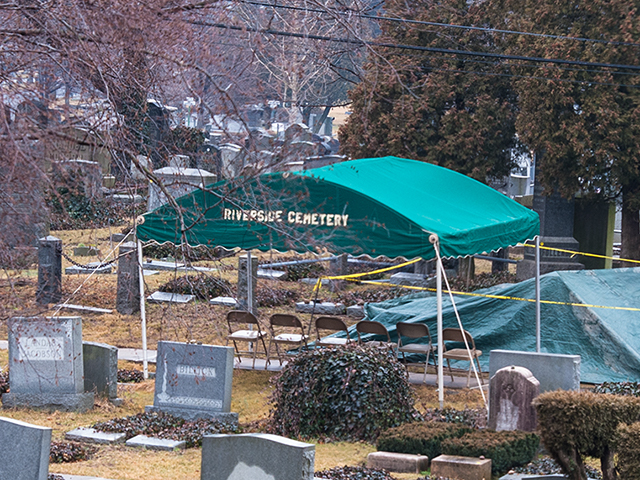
{"x":363,"y":274}
{"x":581,"y":253}
{"x":355,"y":276}
{"x":505,"y":297}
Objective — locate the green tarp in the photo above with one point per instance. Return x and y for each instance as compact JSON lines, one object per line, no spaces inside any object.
{"x":607,"y":339}
{"x":378,"y":206}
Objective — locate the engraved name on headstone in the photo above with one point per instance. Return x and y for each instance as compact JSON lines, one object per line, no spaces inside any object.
{"x":194,"y":381}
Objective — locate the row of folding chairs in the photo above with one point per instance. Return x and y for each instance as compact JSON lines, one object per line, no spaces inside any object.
{"x":286,"y":332}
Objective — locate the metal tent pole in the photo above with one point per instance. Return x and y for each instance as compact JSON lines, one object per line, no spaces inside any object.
{"x":143,"y":314}
{"x":433,"y":238}
{"x":249,"y":282}
{"x":538,"y":293}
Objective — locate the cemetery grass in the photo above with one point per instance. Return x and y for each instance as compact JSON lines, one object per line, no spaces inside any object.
{"x":197,"y":321}
{"x":251,"y":390}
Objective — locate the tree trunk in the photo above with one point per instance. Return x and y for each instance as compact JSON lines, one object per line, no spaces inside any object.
{"x":608,"y":466}
{"x":571,"y":464}
{"x":630,"y":223}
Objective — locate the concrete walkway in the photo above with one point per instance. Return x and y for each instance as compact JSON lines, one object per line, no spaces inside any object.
{"x":135,"y":355}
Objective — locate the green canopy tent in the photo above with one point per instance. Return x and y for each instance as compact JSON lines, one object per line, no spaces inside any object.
{"x":385,"y":206}
{"x":377,"y":206}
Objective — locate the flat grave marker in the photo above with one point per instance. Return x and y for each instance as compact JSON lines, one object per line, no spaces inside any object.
{"x":167,"y":297}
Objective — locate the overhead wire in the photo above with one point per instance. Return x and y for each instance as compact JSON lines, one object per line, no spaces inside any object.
{"x":449,"y":51}
{"x":439,"y":24}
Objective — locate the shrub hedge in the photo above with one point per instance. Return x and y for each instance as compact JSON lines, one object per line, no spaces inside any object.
{"x":419,"y":438}
{"x":574,"y":425}
{"x":628,"y":448}
{"x":619,"y":388}
{"x":348,"y":393}
{"x":507,"y":449}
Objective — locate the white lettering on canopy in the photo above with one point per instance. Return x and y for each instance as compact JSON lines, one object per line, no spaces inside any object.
{"x":292,"y":217}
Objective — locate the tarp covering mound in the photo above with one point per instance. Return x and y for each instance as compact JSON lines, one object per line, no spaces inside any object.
{"x":607,"y":339}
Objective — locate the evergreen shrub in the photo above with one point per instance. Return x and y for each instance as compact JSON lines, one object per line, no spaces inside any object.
{"x":574,"y":425}
{"x":202,"y":286}
{"x":348,"y":393}
{"x":419,"y":438}
{"x":628,"y":449}
{"x":506,"y":449}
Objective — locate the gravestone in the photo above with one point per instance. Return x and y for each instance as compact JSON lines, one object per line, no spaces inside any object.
{"x":45,"y":359}
{"x":128,"y":287}
{"x":194,"y":381}
{"x":243,"y":302}
{"x":297,"y":132}
{"x":328,"y":127}
{"x":179,"y":161}
{"x":25,"y":450}
{"x":511,"y":391}
{"x":100,"y":363}
{"x":556,"y":231}
{"x":177,"y":181}
{"x":232,"y":160}
{"x":49,"y":270}
{"x":339,"y":265}
{"x":554,"y":371}
{"x":256,"y":456}
{"x":81,"y":177}
{"x":144,"y":163}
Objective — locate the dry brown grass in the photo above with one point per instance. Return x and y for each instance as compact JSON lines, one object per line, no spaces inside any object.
{"x":198,"y":321}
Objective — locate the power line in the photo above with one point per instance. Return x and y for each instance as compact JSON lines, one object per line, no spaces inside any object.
{"x":446,"y":51}
{"x":525,"y":65}
{"x":437,"y":24}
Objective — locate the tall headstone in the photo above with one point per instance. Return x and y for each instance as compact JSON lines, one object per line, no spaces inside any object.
{"x":128,"y":289}
{"x":243,"y":302}
{"x":45,"y":359}
{"x":232,"y":160}
{"x":194,"y":381}
{"x":340,"y":265}
{"x":25,"y":450}
{"x":49,"y":270}
{"x":556,"y":231}
{"x":511,"y":391}
{"x":328,"y":127}
{"x":82,"y":177}
{"x":100,"y":363}
{"x":145,"y":163}
{"x":256,"y":456}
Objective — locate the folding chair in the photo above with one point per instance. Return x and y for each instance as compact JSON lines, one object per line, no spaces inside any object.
{"x":238,"y":318}
{"x":374,"y":328}
{"x":293,"y":336}
{"x":456,"y":335}
{"x":415,"y":331}
{"x":333,"y":324}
